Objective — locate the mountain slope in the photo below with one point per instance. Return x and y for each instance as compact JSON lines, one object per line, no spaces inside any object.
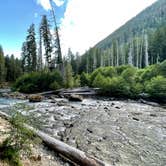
{"x":150,"y":19}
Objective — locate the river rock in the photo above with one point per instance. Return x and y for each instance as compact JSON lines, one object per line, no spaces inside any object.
{"x":35,"y":98}
{"x":74,"y":97}
{"x":35,"y":157}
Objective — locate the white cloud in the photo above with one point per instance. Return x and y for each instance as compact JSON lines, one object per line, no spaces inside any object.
{"x":46,"y":3}
{"x":16,"y":53}
{"x":59,"y":2}
{"x":86,"y":22}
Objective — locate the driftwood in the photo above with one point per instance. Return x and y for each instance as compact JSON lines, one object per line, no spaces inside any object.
{"x":79,"y":91}
{"x":74,"y":155}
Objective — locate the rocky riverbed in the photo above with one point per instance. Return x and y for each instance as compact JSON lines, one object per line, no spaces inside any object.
{"x":117,"y":132}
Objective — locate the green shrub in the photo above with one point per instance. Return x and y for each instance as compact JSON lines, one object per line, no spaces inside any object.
{"x":84,"y":79}
{"x":161,"y":69}
{"x":38,"y":82}
{"x":149,"y":72}
{"x":156,"y":87}
{"x":55,"y":86}
{"x":77,"y":81}
{"x":120,"y":69}
{"x":9,"y":154}
{"x":18,"y":140}
{"x":109,"y":71}
{"x":129,"y":75}
{"x":98,"y":81}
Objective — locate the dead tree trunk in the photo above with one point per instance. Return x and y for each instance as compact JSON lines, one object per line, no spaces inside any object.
{"x":74,"y":155}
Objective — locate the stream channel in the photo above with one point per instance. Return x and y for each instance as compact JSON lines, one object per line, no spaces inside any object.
{"x":121,"y":133}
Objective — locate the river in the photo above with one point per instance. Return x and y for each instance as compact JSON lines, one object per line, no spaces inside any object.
{"x":121,"y":133}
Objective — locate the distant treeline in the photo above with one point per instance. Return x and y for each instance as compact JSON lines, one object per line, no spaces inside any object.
{"x":140,"y":52}
{"x":10,"y":67}
{"x":121,"y":81}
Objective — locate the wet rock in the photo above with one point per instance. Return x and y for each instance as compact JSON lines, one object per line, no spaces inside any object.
{"x":53,"y":101}
{"x":35,"y":157}
{"x":105,"y":137}
{"x":35,"y":98}
{"x":135,"y":119}
{"x":74,"y":97}
{"x":148,"y":102}
{"x":153,"y":115}
{"x":14,"y":95}
{"x":89,"y":130}
{"x":136,"y":113}
{"x":112,"y":104}
{"x":68,"y":124}
{"x":62,"y":103}
{"x":99,"y":139}
{"x":61,"y":134}
{"x":117,"y":107}
{"x":98,"y":149}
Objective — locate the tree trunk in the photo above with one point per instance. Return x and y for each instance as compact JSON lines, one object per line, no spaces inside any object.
{"x":74,"y":155}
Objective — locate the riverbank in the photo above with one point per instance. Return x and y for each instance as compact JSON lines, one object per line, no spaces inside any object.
{"x":41,"y":155}
{"x":117,"y":132}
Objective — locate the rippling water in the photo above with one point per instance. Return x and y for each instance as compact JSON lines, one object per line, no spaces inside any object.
{"x":124,"y":133}
{"x":8,"y":102}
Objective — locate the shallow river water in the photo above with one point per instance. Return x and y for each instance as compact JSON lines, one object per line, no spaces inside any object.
{"x":122,"y":133}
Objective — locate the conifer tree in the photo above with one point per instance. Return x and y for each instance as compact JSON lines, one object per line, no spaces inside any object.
{"x":69,"y":76}
{"x":31,"y":48}
{"x":46,"y":35}
{"x":2,"y":65}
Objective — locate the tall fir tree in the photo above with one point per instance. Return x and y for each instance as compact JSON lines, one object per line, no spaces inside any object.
{"x":2,"y":65}
{"x":31,"y":48}
{"x":47,"y":40}
{"x":29,"y":54}
{"x":68,"y":76}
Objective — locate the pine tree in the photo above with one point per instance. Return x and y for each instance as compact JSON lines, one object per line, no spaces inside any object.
{"x":46,"y":35}
{"x":31,"y":48}
{"x":13,"y":68}
{"x":29,"y":55}
{"x":69,"y":76}
{"x":24,"y":57}
{"x":7,"y":65}
{"x":2,"y":65}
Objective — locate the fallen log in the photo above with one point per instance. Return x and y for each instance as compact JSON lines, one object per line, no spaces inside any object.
{"x":79,"y":91}
{"x":74,"y":155}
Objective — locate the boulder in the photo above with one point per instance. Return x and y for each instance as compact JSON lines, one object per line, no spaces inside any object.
{"x":35,"y":98}
{"x":74,"y":97}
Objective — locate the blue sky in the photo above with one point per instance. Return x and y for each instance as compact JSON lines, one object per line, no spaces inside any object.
{"x":78,"y":20}
{"x":16,"y":16}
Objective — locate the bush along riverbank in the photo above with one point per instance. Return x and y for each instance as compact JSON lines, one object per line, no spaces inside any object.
{"x":130,"y":82}
{"x":121,"y":81}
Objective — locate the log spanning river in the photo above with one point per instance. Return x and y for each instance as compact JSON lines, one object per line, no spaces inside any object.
{"x":121,"y":133}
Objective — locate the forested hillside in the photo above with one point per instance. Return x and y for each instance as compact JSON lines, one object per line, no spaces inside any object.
{"x":140,"y":42}
{"x":148,"y":20}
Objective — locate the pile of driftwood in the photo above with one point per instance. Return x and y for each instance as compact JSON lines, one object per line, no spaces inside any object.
{"x":72,"y":154}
